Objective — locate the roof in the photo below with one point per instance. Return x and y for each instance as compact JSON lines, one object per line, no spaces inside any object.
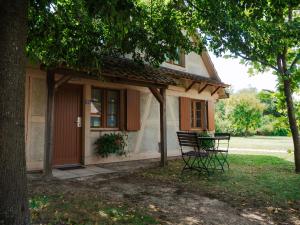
{"x":128,"y":69}
{"x":180,"y":74}
{"x":124,"y":68}
{"x":118,"y":69}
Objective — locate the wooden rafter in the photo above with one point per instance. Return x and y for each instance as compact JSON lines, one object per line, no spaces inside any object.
{"x":190,"y":86}
{"x":217,"y":88}
{"x":203,"y":88}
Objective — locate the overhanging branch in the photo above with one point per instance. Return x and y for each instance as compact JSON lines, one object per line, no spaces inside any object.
{"x":295,"y":61}
{"x":260,"y":61}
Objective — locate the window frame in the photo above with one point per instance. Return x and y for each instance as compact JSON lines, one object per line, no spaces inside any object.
{"x":203,"y":115}
{"x":104,"y":109}
{"x":181,"y":59}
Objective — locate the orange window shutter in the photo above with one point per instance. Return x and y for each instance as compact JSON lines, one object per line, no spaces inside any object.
{"x":133,"y":122}
{"x":185,"y":113}
{"x":211,"y":115}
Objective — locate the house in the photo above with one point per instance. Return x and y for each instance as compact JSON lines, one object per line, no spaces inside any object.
{"x":150,"y":104}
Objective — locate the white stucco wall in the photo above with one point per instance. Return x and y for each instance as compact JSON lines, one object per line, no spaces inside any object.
{"x":35,"y":109}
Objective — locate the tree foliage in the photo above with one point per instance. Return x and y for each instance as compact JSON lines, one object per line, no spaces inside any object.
{"x":255,"y":31}
{"x":273,"y":119}
{"x":264,"y":34}
{"x":78,"y":33}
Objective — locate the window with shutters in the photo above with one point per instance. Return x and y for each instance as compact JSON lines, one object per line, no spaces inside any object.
{"x":105,"y":107}
{"x":197,"y":114}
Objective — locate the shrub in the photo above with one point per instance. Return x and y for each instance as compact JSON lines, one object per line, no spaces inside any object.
{"x":274,"y":126}
{"x":113,"y":143}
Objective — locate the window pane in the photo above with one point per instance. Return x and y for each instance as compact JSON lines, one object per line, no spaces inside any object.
{"x":96,"y":108}
{"x":96,"y":103}
{"x":112,"y":108}
{"x":112,"y":121}
{"x":95,"y":121}
{"x":198,"y":114}
{"x":196,"y":120}
{"x":177,"y":58}
{"x":198,"y":105}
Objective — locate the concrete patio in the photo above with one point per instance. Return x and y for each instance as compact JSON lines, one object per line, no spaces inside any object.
{"x":82,"y":172}
{"x":102,"y":171}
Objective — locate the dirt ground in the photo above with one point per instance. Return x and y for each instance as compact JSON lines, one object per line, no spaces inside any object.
{"x":168,"y":203}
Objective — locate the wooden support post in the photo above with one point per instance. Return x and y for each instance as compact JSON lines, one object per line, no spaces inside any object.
{"x":162,"y":99}
{"x":49,"y":124}
{"x":163,"y":128}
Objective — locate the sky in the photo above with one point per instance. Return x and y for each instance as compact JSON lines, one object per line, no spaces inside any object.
{"x":235,"y":74}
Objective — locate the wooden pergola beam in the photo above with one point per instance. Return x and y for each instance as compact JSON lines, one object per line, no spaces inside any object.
{"x":190,"y":86}
{"x":217,"y":88}
{"x":108,"y":78}
{"x":134,"y":82}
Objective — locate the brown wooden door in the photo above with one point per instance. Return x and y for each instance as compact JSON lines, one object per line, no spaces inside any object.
{"x":67,"y":132}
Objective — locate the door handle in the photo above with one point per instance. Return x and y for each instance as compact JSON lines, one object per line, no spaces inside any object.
{"x":78,"y":121}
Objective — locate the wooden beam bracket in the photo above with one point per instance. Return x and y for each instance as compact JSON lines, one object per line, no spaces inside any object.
{"x":190,"y":86}
{"x":217,"y":88}
{"x":156,"y":94}
{"x":203,"y":88}
{"x":62,"y":80}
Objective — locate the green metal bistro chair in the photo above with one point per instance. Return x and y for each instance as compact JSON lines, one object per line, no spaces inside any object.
{"x":194,"y":157}
{"x":219,"y":153}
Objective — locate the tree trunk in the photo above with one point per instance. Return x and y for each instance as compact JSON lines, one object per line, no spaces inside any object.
{"x":13,"y":183}
{"x":292,"y":122}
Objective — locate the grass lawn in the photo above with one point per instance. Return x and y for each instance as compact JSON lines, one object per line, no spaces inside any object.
{"x":264,"y":184}
{"x":83,"y":209}
{"x":254,"y":181}
{"x":262,"y":142}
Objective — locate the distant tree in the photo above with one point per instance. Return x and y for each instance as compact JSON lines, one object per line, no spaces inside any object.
{"x":245,"y":113}
{"x":264,"y":34}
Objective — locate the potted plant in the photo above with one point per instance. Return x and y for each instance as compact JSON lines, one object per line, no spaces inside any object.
{"x":113,"y":143}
